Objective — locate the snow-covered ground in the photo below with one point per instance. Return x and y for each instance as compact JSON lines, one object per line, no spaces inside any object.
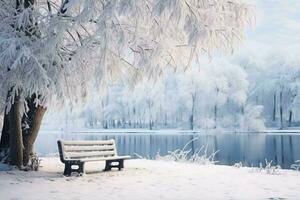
{"x":145,"y":179}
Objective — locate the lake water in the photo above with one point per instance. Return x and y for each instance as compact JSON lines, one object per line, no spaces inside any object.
{"x":249,"y":148}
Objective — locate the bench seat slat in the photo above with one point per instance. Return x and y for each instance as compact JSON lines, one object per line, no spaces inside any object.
{"x":88,"y":148}
{"x":89,"y":142}
{"x":90,"y":154}
{"x":104,"y":158}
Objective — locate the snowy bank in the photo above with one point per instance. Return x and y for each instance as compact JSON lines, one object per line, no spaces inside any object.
{"x":145,"y":179}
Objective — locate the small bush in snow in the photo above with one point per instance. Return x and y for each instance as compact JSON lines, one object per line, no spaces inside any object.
{"x":238,"y":165}
{"x":296,"y":165}
{"x":269,"y":169}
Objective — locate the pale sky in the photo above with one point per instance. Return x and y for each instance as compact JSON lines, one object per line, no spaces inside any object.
{"x":277,"y":29}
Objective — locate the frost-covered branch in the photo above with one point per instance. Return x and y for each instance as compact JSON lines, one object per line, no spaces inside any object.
{"x":50,"y":48}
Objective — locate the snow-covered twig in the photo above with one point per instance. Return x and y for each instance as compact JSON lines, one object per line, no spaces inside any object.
{"x":296,"y":165}
{"x":268,"y":168}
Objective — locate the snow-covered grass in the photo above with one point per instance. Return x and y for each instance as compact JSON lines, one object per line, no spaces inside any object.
{"x":296,"y":165}
{"x":148,"y":180}
{"x":200,"y":156}
{"x":269,"y":168}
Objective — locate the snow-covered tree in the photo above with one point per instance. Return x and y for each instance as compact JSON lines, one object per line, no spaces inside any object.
{"x":210,"y":95}
{"x":274,"y":84}
{"x":54,"y":52}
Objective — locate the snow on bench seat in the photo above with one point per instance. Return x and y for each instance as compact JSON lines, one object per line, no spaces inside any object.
{"x":106,"y":158}
{"x":90,"y":154}
{"x":88,"y":148}
{"x":90,"y":142}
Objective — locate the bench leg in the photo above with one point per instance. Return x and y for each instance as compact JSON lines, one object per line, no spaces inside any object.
{"x":68,"y":168}
{"x":121,"y":164}
{"x":109,"y":165}
{"x":81,"y":168}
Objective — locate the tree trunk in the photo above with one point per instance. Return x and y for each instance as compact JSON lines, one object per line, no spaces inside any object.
{"x":150,"y":114}
{"x":19,"y":133}
{"x":4,"y":141}
{"x":193,"y":112}
{"x":274,"y":107}
{"x":281,"y":110}
{"x":134,"y":118}
{"x":290,"y":118}
{"x":105,"y":124}
{"x":216,"y":108}
{"x":192,"y":122}
{"x":150,"y":125}
{"x":15,"y":137}
{"x":216,"y":114}
{"x":36,"y":115}
{"x":243,"y":109}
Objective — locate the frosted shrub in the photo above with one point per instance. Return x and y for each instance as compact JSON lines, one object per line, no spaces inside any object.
{"x":238,"y":165}
{"x":296,"y":165}
{"x":183,"y":155}
{"x":269,"y":169}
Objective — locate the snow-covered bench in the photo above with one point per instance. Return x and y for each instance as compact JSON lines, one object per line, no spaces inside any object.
{"x":76,"y":153}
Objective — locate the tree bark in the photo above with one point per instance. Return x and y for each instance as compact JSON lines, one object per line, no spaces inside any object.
{"x":290,"y":118}
{"x":35,"y":115}
{"x":216,"y":114}
{"x":274,"y":107}
{"x":150,"y":124}
{"x":281,"y":109}
{"x":192,"y":117}
{"x":149,"y":102}
{"x":216,"y":108}
{"x":15,"y":137}
{"x":20,"y":132}
{"x":4,"y":141}
{"x":243,"y":109}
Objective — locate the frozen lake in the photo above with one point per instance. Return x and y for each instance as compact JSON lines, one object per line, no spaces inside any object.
{"x":283,"y":148}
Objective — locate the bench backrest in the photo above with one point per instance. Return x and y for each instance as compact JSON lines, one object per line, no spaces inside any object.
{"x":76,"y":150}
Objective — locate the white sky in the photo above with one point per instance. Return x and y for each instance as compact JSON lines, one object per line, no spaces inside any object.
{"x":277,"y":30}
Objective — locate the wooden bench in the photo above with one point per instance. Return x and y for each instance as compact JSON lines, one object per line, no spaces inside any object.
{"x":76,"y":153}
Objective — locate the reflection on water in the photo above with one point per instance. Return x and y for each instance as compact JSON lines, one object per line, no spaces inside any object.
{"x":251,"y":149}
